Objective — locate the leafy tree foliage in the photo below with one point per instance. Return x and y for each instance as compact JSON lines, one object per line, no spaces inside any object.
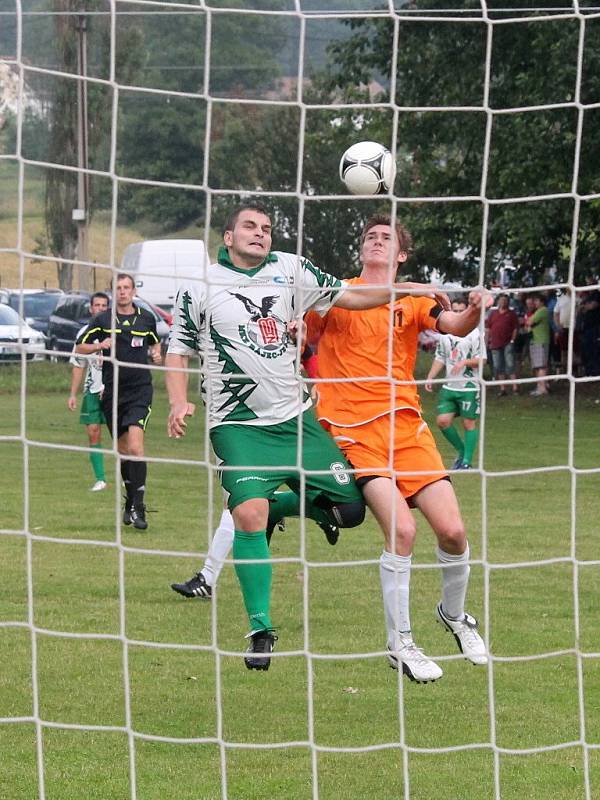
{"x":61,"y":96}
{"x":162,"y":137}
{"x":531,"y":153}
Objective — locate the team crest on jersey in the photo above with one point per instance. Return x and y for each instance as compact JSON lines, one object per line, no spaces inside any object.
{"x":264,"y":333}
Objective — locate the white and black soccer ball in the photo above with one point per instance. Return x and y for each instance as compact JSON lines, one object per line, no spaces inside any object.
{"x":367,"y":168}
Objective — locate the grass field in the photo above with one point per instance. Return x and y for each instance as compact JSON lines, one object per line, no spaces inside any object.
{"x":335,"y":703}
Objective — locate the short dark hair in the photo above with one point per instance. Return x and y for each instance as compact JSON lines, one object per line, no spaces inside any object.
{"x":459,"y":298}
{"x":121,"y":275}
{"x":101,"y":295}
{"x":404,"y":238}
{"x":233,"y":215}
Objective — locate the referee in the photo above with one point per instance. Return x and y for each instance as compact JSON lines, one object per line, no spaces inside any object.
{"x":135,"y":339}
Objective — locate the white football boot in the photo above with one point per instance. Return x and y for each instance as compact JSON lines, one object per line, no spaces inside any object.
{"x":415,"y":664}
{"x":464,"y":630}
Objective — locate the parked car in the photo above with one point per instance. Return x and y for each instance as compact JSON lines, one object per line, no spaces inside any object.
{"x":37,"y":305}
{"x":16,"y":334}
{"x":73,"y":311}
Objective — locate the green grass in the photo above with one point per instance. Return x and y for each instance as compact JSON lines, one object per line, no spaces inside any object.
{"x":356,"y":702}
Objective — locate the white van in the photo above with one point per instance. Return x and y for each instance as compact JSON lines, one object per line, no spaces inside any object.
{"x":159,"y":266}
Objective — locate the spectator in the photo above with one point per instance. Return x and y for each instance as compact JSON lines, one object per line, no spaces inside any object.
{"x":589,"y":325}
{"x":562,"y":324}
{"x":554,"y":350}
{"x":503,"y":326}
{"x":539,"y":324}
{"x":523,"y":339}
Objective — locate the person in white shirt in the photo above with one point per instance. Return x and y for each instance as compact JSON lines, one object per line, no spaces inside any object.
{"x":462,"y":357}
{"x":91,"y":412}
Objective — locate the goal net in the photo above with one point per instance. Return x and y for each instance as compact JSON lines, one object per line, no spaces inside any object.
{"x":123,"y":122}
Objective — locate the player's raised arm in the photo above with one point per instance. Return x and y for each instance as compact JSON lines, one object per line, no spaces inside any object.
{"x":371,"y":296}
{"x":460,"y":323}
{"x":176,"y":379}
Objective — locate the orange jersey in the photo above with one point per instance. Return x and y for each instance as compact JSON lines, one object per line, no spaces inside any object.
{"x":355,"y":344}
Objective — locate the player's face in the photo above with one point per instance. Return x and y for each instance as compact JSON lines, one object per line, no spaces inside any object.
{"x":98,"y":305}
{"x":381,"y":248}
{"x":458,"y":307}
{"x":250,"y":240}
{"x":125,"y":292}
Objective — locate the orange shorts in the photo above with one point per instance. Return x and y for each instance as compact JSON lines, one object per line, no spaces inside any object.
{"x":415,"y":461}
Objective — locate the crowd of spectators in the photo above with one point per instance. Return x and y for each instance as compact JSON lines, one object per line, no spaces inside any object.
{"x":530,"y":334}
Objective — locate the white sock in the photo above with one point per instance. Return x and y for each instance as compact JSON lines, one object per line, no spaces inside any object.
{"x":394,"y":572}
{"x":218,"y":551}
{"x":455,"y":577}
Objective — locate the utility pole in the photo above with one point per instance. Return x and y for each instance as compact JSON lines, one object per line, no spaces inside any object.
{"x":81,"y":213}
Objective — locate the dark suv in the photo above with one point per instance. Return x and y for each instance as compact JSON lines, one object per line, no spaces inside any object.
{"x":70,"y":314}
{"x":73,"y":312}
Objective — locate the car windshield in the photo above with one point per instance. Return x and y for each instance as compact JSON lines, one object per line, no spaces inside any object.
{"x":8,"y":316}
{"x":36,"y":305}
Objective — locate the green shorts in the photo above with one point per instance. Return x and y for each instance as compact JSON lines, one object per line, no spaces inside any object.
{"x":91,"y":411}
{"x":463,"y":404}
{"x":266,"y":457}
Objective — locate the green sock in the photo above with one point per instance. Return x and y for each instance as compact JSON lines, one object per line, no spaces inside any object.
{"x":283,"y":504}
{"x":453,"y":437}
{"x":255,"y":579}
{"x":287,"y":504}
{"x":471,"y":438}
{"x":97,"y":461}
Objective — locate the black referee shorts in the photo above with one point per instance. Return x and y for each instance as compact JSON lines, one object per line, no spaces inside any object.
{"x":134,"y":407}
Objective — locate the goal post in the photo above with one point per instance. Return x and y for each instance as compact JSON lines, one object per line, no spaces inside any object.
{"x":112,"y":685}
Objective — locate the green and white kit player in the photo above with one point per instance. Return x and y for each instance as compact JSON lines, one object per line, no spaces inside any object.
{"x":91,"y":413}
{"x":459,"y":396}
{"x":263,"y":429}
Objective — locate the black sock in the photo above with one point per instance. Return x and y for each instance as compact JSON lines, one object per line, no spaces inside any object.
{"x":126,"y":476}
{"x":137,"y":476}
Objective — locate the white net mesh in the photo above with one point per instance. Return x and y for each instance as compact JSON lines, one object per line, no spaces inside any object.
{"x":109,"y":686}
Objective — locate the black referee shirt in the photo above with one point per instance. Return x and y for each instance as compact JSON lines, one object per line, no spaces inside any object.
{"x":134,"y":334}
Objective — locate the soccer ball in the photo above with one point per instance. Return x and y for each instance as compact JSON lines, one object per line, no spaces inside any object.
{"x":367,"y":168}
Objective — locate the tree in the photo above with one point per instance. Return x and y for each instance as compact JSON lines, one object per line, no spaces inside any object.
{"x":161,"y":138}
{"x":61,"y":195}
{"x":441,"y":64}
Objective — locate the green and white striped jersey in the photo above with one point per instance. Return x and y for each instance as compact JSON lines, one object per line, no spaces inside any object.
{"x":237,"y":320}
{"x":452,"y":349}
{"x":93,"y":377}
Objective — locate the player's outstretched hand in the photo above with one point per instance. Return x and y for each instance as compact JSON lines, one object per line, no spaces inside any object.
{"x":176,"y":423}
{"x":479,"y":299}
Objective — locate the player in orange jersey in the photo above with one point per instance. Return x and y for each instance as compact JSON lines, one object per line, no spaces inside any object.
{"x":370,"y":404}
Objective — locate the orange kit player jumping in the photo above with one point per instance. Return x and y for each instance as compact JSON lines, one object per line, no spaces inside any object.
{"x":378,"y":425}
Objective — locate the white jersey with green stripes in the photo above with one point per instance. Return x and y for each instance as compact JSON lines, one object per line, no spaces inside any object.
{"x":452,"y":349}
{"x":93,"y":365}
{"x":237,"y":321}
